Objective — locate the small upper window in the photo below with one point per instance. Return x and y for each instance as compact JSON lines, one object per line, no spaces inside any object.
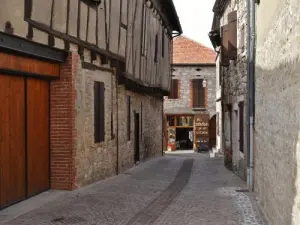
{"x":198,"y":69}
{"x":92,"y":2}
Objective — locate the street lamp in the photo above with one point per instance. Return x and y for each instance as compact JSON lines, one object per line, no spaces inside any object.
{"x":204,"y":83}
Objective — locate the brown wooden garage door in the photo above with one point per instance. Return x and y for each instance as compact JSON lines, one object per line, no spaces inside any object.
{"x":24,"y":138}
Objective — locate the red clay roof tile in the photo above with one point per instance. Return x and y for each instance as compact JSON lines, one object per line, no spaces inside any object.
{"x":188,"y":51}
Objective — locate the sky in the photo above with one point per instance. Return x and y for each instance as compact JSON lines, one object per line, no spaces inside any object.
{"x":196,"y":19}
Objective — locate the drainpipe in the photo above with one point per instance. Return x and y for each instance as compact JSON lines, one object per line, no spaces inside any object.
{"x":250,"y":91}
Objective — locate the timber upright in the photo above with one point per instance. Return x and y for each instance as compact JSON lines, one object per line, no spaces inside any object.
{"x":75,"y":79}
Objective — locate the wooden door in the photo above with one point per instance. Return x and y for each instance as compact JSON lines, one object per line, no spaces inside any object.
{"x":37,"y":136}
{"x":241,"y":126}
{"x":136,"y":137}
{"x":12,"y":140}
{"x":212,"y":132}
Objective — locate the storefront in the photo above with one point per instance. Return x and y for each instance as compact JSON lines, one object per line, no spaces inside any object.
{"x":184,"y":132}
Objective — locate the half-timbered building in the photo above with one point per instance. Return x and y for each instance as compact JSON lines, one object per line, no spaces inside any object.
{"x":81,"y":90}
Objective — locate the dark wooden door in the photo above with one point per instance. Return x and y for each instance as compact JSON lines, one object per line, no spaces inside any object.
{"x":12,"y":140}
{"x":212,"y":132}
{"x":241,"y":126}
{"x":136,"y":137}
{"x":37,"y":136}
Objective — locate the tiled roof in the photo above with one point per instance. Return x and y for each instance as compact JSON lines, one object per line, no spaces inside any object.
{"x":188,"y":51}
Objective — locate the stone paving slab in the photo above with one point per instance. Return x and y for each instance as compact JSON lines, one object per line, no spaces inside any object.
{"x":210,"y":198}
{"x":189,"y":189}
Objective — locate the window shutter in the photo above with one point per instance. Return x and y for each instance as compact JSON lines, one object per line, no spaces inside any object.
{"x":99,"y":111}
{"x":156,"y":48}
{"x":174,"y":89}
{"x":242,"y":39}
{"x":195,"y":94}
{"x":232,"y":31}
{"x":198,"y":94}
{"x":163,"y":43}
{"x":224,"y":48}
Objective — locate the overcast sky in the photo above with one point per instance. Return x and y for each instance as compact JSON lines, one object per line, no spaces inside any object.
{"x":195,"y":18}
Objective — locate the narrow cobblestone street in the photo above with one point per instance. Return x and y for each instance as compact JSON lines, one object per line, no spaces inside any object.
{"x":172,"y":190}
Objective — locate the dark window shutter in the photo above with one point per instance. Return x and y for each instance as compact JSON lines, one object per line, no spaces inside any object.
{"x":198,"y":94}
{"x":224,"y":48}
{"x":163,"y":43}
{"x":174,"y":89}
{"x":99,"y":112}
{"x":241,"y":124}
{"x":232,"y":31}
{"x":156,"y":48}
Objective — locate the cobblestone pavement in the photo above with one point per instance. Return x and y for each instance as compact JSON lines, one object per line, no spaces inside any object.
{"x":188,"y":189}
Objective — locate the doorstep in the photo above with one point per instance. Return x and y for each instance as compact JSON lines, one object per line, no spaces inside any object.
{"x":28,"y":205}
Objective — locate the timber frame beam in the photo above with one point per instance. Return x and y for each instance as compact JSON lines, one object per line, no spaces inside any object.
{"x":21,"y":46}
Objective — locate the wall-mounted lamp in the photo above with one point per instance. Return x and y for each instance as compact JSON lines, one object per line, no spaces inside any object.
{"x":204,"y":83}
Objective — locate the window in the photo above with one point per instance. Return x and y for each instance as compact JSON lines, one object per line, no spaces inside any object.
{"x":128,"y":117}
{"x":156,"y":48}
{"x":184,"y":121}
{"x":198,"y":94}
{"x":163,"y":43}
{"x":171,"y":121}
{"x":174,"y":89}
{"x":99,"y":112}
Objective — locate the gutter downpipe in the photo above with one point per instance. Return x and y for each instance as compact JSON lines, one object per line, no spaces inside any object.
{"x":250,"y":92}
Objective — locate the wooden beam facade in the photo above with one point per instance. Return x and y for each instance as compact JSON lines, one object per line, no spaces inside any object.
{"x":133,"y":32}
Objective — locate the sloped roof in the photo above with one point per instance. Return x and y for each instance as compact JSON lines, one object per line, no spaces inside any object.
{"x":188,"y":51}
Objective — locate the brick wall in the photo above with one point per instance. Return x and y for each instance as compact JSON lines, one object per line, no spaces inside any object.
{"x":76,"y":160}
{"x":62,"y":126}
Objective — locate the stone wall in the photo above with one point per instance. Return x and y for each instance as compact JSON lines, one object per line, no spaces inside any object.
{"x":235,"y":88}
{"x":277,"y":106}
{"x":96,"y":161}
{"x":185,"y":74}
{"x":150,"y":111}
